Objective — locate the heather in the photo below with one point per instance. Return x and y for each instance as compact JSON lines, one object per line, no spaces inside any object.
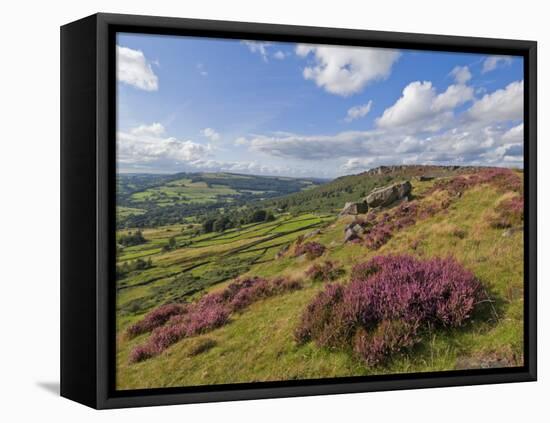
{"x":502,"y":179}
{"x":385,"y":224}
{"x":155,"y":318}
{"x":324,"y":272}
{"x":211,"y":311}
{"x":388,"y":304}
{"x":380,"y":226}
{"x":509,"y":213}
{"x":311,"y":250}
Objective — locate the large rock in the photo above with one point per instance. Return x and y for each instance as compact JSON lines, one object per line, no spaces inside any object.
{"x":385,"y":196}
{"x":350,"y":235}
{"x":353,"y":231}
{"x":354,"y":208}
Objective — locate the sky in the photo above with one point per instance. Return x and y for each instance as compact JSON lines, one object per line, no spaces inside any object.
{"x":187,"y":104}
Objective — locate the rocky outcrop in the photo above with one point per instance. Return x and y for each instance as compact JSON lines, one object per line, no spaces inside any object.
{"x":385,"y":196}
{"x":353,"y":231}
{"x":354,"y":208}
{"x":424,"y":178}
{"x":414,"y":170}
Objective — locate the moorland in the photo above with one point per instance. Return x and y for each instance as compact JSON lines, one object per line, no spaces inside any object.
{"x":229,"y":278}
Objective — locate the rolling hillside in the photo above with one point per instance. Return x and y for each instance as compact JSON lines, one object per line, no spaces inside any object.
{"x":470,"y":216}
{"x":152,"y":200}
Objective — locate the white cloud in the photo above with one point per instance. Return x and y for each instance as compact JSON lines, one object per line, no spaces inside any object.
{"x":414,"y":104}
{"x":133,"y":69}
{"x":248,"y":167}
{"x":258,"y":47}
{"x":279,"y":55}
{"x":421,"y":106}
{"x":357,"y":112}
{"x":420,"y":128}
{"x":500,"y":105}
{"x":492,"y":62}
{"x":149,"y":144}
{"x":240,"y":141}
{"x":514,"y":135}
{"x":483,"y":145}
{"x":154,"y":130}
{"x":461,"y":74}
{"x":211,"y":134}
{"x":312,"y":147}
{"x":358,"y":164}
{"x":347,"y":70}
{"x":454,"y":96}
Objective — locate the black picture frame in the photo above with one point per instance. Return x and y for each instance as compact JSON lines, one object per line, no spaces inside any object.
{"x":88,"y":125}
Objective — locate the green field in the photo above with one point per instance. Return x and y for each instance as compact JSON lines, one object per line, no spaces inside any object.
{"x":257,"y":344}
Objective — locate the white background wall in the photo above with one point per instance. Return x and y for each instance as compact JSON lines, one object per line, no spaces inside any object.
{"x":29,"y":210}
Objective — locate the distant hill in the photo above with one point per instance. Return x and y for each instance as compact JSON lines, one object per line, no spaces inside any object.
{"x":330,"y":197}
{"x":151,"y":199}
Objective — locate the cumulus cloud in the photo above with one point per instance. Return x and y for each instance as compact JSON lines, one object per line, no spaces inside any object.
{"x":149,"y":148}
{"x":461,"y":74}
{"x":346,"y":70}
{"x":134,"y":69}
{"x":420,"y":105}
{"x":357,"y":112}
{"x":358,"y":164}
{"x":414,"y":104}
{"x":454,"y":96}
{"x":501,"y":105}
{"x":149,"y":144}
{"x":210,"y":134}
{"x":364,"y":149}
{"x":279,"y":55}
{"x":420,"y":128}
{"x":493,"y":62}
{"x":514,"y":135}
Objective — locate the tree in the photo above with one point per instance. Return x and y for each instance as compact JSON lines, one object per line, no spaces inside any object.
{"x":172,"y":243}
{"x":222,"y":223}
{"x":208,"y":225}
{"x":258,"y":216}
{"x":130,"y":239}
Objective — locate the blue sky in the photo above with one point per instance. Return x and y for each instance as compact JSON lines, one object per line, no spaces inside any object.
{"x":196,"y":104}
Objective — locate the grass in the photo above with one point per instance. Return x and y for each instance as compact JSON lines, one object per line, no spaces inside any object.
{"x":182,"y":191}
{"x":258,"y":344}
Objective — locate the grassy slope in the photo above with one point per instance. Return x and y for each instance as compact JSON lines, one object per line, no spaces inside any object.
{"x":257,"y":345}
